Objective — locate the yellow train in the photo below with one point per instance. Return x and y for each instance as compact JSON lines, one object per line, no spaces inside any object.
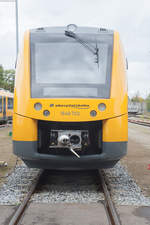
{"x":6,"y":105}
{"x":70,"y":99}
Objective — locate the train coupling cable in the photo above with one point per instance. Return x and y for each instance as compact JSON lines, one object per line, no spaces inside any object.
{"x":72,"y":150}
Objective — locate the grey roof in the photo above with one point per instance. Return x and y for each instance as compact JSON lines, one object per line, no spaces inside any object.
{"x":62,"y":29}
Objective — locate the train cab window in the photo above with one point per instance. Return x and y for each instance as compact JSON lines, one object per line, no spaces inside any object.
{"x":10,"y":103}
{"x":62,"y":67}
{"x":0,"y":104}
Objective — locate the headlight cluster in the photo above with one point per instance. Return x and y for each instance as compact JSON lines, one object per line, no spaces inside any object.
{"x":46,"y":113}
{"x":101,"y":107}
{"x":93,"y":113}
{"x":38,"y":106}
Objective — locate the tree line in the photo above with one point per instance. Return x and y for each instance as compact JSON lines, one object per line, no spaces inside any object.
{"x":138,"y":98}
{"x":7,"y":78}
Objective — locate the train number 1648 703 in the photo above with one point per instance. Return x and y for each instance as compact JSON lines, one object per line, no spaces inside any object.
{"x":70,"y":113}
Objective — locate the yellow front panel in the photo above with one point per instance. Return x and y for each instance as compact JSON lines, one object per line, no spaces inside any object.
{"x":116,"y":129}
{"x":118,"y":90}
{"x":116,"y":105}
{"x":69,"y":109}
{"x":24,"y":129}
{"x":22,"y":79}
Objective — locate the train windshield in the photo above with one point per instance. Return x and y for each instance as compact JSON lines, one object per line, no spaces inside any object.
{"x":62,"y":67}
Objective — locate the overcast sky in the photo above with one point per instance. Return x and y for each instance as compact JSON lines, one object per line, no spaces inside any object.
{"x":130,"y":18}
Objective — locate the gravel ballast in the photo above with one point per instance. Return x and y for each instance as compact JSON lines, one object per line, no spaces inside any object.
{"x":76,"y":190}
{"x":124,"y":189}
{"x":17,"y":185}
{"x":69,"y":187}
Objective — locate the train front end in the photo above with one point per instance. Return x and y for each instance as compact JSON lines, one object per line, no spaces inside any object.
{"x":70,"y":101}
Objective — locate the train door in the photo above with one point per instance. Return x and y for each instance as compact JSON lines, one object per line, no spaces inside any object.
{"x":4,"y":108}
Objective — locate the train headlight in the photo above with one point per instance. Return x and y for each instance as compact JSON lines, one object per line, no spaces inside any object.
{"x":102,"y":107}
{"x":93,"y":113}
{"x":46,"y":113}
{"x":38,"y":106}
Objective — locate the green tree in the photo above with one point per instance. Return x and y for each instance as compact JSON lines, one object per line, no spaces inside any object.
{"x":1,"y":76}
{"x":137,"y":98}
{"x":7,"y":78}
{"x":148,"y":103}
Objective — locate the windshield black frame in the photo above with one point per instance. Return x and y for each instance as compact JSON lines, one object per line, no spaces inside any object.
{"x":102,"y":90}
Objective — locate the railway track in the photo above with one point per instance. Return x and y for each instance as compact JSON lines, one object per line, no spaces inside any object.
{"x":21,"y":209}
{"x":113,"y":216}
{"x":139,"y":122}
{"x":111,"y":213}
{"x":5,"y":125}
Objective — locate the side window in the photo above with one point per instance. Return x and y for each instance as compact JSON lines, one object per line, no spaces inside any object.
{"x":0,"y":104}
{"x":10,"y":103}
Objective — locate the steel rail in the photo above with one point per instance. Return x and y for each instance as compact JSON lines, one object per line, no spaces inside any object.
{"x":5,"y":125}
{"x":139,"y":117}
{"x":110,"y":207}
{"x":2,"y":126}
{"x":147,"y":124}
{"x":18,"y":214}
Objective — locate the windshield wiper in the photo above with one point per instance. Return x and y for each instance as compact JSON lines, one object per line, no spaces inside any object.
{"x":85,"y":44}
